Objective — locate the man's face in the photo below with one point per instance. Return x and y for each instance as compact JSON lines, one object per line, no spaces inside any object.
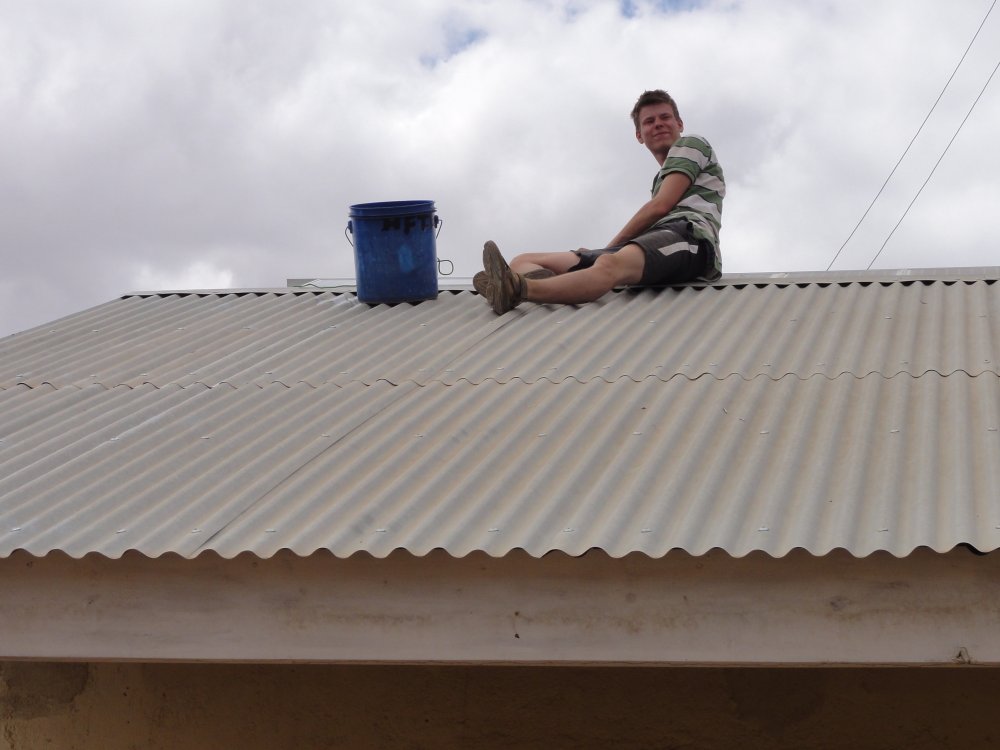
{"x":659,"y":128}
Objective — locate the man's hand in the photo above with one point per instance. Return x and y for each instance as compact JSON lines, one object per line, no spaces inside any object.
{"x":671,"y":190}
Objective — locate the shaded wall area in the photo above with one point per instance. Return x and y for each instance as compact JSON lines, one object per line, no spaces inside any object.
{"x":121,"y":706}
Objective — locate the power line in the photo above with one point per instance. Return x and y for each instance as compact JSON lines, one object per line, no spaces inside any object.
{"x":936,"y":164}
{"x":914,"y":138}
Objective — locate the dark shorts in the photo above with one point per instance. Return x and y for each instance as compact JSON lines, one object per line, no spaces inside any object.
{"x":672,"y":255}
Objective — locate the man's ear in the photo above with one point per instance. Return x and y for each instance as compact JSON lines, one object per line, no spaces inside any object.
{"x":638,"y":136}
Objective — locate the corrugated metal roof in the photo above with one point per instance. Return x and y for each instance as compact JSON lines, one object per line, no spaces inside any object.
{"x":857,"y":413}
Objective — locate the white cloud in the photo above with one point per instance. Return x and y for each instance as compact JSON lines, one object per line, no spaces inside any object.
{"x":231,"y":137}
{"x":198,"y":275}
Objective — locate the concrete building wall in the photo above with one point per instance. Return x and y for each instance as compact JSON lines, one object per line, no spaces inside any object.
{"x":125,"y":706}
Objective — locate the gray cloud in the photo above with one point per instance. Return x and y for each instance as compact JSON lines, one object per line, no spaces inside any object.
{"x":207,"y":143}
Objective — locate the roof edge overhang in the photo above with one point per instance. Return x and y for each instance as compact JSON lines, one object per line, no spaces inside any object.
{"x":960,"y":548}
{"x":925,"y":609}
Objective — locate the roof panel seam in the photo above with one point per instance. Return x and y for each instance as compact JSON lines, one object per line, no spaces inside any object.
{"x":333,"y":444}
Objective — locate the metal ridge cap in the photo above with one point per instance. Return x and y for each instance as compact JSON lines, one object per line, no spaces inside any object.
{"x":223,"y":292}
{"x":970,"y":273}
{"x":319,"y":285}
{"x":445,"y":284}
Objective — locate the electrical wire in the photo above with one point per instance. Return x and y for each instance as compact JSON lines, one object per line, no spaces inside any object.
{"x":914,"y":138}
{"x":936,"y":164}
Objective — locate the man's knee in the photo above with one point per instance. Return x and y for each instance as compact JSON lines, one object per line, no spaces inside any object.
{"x":606,"y":265}
{"x":623,"y":267}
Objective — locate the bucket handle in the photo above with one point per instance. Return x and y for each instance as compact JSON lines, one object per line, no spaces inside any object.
{"x":439,"y":222}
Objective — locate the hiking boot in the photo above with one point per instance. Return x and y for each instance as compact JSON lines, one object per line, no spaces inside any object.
{"x":504,"y":288}
{"x":481,"y":282}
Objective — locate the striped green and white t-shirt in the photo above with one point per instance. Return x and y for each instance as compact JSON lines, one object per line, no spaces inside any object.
{"x":693,"y":156}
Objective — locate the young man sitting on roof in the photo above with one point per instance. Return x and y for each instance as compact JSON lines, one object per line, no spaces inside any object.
{"x":673,"y":238}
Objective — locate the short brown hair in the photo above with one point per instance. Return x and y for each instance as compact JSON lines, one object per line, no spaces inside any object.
{"x":656,"y":96}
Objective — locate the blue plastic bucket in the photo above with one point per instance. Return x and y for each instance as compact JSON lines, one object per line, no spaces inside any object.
{"x":395,"y":250}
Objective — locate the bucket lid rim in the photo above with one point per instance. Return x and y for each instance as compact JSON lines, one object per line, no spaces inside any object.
{"x":394,"y":204}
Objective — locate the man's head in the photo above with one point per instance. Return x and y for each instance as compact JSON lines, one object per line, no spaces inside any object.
{"x":657,"y":123}
{"x":656,"y":96}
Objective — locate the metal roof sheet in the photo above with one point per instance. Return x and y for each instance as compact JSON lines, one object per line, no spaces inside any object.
{"x":861,"y":415}
{"x":772,"y":329}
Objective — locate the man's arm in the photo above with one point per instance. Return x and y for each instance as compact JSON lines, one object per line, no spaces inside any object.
{"x":671,"y":190}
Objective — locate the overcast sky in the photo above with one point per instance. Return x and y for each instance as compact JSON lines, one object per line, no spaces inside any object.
{"x":180,"y":144}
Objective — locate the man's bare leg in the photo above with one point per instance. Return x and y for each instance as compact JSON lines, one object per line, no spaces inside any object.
{"x":530,"y":263}
{"x":589,"y":284}
{"x":506,"y":288}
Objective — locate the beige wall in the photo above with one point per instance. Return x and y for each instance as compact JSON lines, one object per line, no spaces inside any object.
{"x":125,"y":706}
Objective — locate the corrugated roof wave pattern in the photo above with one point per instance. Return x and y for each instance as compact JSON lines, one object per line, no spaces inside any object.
{"x":294,"y":337}
{"x":771,"y":330}
{"x":758,"y":423}
{"x":242,"y":339}
{"x":863,"y":464}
